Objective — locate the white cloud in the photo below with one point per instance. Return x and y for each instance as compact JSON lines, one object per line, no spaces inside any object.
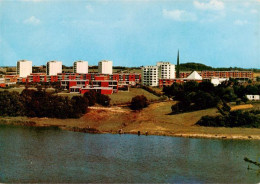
{"x":179,"y":15}
{"x":253,"y":11}
{"x":240,"y":22}
{"x":89,"y":8}
{"x":211,"y":5}
{"x":32,"y":20}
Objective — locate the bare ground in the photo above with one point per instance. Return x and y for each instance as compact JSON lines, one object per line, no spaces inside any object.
{"x":155,"y":120}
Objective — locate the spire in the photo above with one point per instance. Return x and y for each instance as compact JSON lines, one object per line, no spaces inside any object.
{"x":178,"y":66}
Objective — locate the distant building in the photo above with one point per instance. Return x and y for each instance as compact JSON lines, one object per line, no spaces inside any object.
{"x":80,"y":67}
{"x":216,"y":80}
{"x":105,"y":67}
{"x":24,"y":68}
{"x":240,"y":75}
{"x":150,"y":75}
{"x":253,"y":97}
{"x":194,"y":76}
{"x":166,"y":70}
{"x":53,"y":67}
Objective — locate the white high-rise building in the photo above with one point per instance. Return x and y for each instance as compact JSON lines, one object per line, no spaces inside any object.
{"x":166,"y":70}
{"x":105,"y":67}
{"x":24,"y":68}
{"x":53,"y":67}
{"x":80,"y":67}
{"x":150,"y":75}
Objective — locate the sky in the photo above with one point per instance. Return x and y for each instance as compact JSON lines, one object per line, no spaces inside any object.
{"x":218,"y":33}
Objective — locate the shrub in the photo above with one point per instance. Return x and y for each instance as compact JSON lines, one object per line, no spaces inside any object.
{"x":103,"y":99}
{"x":139,"y":102}
{"x":91,"y":96}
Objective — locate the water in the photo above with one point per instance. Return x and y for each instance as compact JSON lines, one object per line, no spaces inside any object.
{"x":49,"y":155}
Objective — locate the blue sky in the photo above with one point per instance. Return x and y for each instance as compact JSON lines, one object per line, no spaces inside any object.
{"x":218,"y":33}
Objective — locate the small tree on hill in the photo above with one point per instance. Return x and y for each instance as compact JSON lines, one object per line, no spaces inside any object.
{"x":91,"y":96}
{"x":139,"y":102}
{"x":103,"y":99}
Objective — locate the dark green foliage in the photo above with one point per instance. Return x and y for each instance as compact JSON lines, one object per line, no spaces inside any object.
{"x":80,"y":105}
{"x":33,"y":103}
{"x":10,"y":104}
{"x":91,"y":96}
{"x":103,"y":99}
{"x":196,"y":96}
{"x":139,"y":102}
{"x":232,"y":119}
{"x":194,"y":66}
{"x":192,"y":96}
{"x":200,"y":67}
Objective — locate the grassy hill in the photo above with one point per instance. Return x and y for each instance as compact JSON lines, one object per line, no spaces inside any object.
{"x":199,"y":67}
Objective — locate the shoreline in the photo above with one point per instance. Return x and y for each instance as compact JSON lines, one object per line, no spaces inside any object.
{"x":96,"y":131}
{"x":155,"y":120}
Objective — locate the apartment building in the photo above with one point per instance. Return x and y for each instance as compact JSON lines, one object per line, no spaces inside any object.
{"x":152,"y":74}
{"x":53,"y":67}
{"x":80,"y":67}
{"x":105,"y":67}
{"x":24,"y":68}
{"x":166,"y":70}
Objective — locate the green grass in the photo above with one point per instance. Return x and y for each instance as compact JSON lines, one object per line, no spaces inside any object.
{"x":124,"y":96}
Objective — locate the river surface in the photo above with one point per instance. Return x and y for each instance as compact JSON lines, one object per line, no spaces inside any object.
{"x":49,"y":155}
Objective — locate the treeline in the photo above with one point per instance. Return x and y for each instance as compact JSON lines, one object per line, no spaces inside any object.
{"x":39,"y":103}
{"x":200,"y":67}
{"x":33,"y":103}
{"x":196,"y":96}
{"x":232,"y":118}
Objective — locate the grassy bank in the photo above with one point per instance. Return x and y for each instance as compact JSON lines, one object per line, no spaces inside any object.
{"x":126,"y":96}
{"x":155,"y":120}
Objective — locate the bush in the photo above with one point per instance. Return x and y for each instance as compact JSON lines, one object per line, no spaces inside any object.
{"x":139,"y":102}
{"x":91,"y":96}
{"x":103,"y":99}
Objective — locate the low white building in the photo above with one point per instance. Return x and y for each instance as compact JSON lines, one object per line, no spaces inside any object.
{"x":105,"y":67}
{"x":216,"y":80}
{"x":253,"y":97}
{"x":24,"y":68}
{"x":53,"y":67}
{"x":80,"y":67}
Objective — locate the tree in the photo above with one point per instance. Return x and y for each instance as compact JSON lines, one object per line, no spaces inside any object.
{"x":139,"y":102}
{"x":103,"y":99}
{"x":91,"y":96}
{"x":10,"y":104}
{"x":79,"y":105}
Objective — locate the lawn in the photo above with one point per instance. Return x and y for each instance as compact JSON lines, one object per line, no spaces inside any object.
{"x":125,"y":96}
